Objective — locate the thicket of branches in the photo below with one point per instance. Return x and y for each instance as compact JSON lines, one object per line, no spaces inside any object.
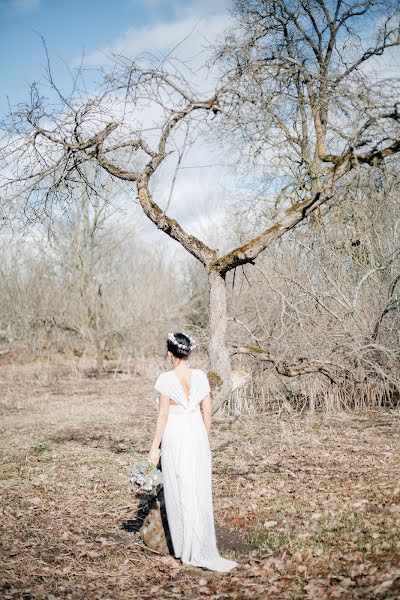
{"x":322,"y":310}
{"x":85,"y":285}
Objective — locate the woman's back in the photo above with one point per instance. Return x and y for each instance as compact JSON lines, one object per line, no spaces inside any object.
{"x":185,"y":379}
{"x":188,"y":390}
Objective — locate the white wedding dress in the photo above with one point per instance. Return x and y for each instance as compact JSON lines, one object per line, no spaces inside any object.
{"x":186,"y":467}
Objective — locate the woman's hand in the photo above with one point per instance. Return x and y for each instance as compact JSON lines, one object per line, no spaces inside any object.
{"x":154,"y":456}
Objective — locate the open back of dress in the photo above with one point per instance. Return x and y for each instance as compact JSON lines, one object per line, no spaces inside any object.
{"x":186,"y":466}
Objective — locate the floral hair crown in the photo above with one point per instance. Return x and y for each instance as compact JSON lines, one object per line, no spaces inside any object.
{"x":171,"y":337}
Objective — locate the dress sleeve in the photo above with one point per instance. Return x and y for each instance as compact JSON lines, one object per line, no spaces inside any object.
{"x":205,"y":385}
{"x":161,"y":385}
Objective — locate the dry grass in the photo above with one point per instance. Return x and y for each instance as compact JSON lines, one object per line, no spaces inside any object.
{"x":317,"y":499}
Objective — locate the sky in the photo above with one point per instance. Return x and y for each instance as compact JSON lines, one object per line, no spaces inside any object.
{"x":92,"y":29}
{"x":73,"y":29}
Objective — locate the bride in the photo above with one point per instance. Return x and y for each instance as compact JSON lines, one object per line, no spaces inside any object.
{"x":186,"y":457}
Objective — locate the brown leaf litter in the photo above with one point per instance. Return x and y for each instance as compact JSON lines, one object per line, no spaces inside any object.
{"x":310,"y":507}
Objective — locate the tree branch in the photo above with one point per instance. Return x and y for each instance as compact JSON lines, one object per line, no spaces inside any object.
{"x":294,"y":215}
{"x":294,"y":370}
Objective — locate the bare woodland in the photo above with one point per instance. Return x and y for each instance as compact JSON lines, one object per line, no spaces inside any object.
{"x":314,"y":295}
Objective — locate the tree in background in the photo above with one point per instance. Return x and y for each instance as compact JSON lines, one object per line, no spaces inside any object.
{"x":82,"y":283}
{"x":85,"y":254}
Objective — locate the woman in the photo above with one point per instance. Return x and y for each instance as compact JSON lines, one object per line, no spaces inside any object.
{"x":186,"y":457}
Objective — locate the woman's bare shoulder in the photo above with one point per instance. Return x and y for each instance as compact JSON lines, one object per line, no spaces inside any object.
{"x":164,"y":375}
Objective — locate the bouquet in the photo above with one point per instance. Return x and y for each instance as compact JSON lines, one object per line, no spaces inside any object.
{"x":146,"y":476}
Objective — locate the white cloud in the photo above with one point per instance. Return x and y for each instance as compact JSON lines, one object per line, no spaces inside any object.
{"x":191,"y":33}
{"x":195,"y":195}
{"x":381,"y":66}
{"x":385,"y":66}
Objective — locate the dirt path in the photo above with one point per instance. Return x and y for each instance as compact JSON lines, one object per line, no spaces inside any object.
{"x":317,"y":501}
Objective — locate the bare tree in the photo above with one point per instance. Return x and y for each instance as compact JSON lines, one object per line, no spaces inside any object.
{"x":288,"y":65}
{"x":85,"y":254}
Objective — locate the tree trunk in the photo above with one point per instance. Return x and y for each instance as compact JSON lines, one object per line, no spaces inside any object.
{"x":219,"y":356}
{"x":99,"y":356}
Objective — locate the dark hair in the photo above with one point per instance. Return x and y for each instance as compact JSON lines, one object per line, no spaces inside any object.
{"x":179,"y":345}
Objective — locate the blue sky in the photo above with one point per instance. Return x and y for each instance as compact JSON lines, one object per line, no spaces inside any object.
{"x":95,"y":27}
{"x":71,"y":27}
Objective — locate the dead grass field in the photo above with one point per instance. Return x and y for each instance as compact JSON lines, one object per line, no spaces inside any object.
{"x":316,"y":502}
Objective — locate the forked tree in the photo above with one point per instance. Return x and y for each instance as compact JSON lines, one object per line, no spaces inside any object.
{"x":291,"y":82}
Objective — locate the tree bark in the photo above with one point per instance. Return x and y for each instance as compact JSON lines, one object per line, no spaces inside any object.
{"x":99,"y":357}
{"x":219,"y":356}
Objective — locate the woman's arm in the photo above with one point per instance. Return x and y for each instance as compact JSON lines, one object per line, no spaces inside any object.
{"x":207,"y":411}
{"x":163,"y":410}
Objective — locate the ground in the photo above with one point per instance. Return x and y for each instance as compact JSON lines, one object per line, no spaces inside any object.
{"x":313,"y":504}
